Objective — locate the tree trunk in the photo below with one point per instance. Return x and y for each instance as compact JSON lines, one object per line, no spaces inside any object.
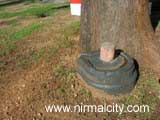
{"x":126,"y":23}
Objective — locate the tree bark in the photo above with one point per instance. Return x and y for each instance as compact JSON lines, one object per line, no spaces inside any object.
{"x":126,"y":23}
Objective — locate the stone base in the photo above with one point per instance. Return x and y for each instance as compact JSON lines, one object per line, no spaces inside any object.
{"x":96,"y":93}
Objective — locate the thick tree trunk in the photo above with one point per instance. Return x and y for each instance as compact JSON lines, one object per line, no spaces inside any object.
{"x":90,"y":25}
{"x":126,"y":23}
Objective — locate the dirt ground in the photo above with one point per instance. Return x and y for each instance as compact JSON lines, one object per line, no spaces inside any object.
{"x":41,"y":70}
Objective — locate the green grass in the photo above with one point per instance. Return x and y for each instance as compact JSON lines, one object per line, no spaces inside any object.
{"x":88,"y":93}
{"x":71,"y":30}
{"x":13,"y":23}
{"x":58,"y":44}
{"x":33,"y":56}
{"x":38,"y":10}
{"x":2,"y":9}
{"x":67,"y":32}
{"x":9,"y":37}
{"x":61,"y":71}
{"x":23,"y":62}
{"x":64,"y":44}
{"x":75,"y":25}
{"x":66,"y":74}
{"x":28,"y":30}
{"x":36,"y":55}
{"x":6,"y":44}
{"x":61,"y":90}
{"x":145,"y":93}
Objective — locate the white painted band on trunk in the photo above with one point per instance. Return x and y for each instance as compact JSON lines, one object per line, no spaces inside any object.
{"x":75,"y":9}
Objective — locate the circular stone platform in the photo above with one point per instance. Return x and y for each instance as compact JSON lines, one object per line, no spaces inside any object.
{"x":116,"y":77}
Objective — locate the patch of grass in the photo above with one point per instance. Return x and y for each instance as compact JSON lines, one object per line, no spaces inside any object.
{"x":28,"y":30}
{"x":8,"y":37}
{"x":62,"y":71}
{"x":151,"y":82}
{"x":7,"y":47}
{"x":8,"y":15}
{"x":130,"y":100}
{"x":71,"y":30}
{"x":72,"y":76}
{"x":38,"y":10}
{"x":27,"y":60}
{"x":145,"y":93}
{"x":64,"y":44}
{"x":61,"y":90}
{"x":36,"y":55}
{"x":6,"y":44}
{"x":49,"y":94}
{"x":13,"y":23}
{"x":2,"y":9}
{"x":75,"y":25}
{"x":88,"y":93}
{"x":33,"y":1}
{"x":52,"y":50}
{"x":24,"y":62}
{"x":3,"y":32}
